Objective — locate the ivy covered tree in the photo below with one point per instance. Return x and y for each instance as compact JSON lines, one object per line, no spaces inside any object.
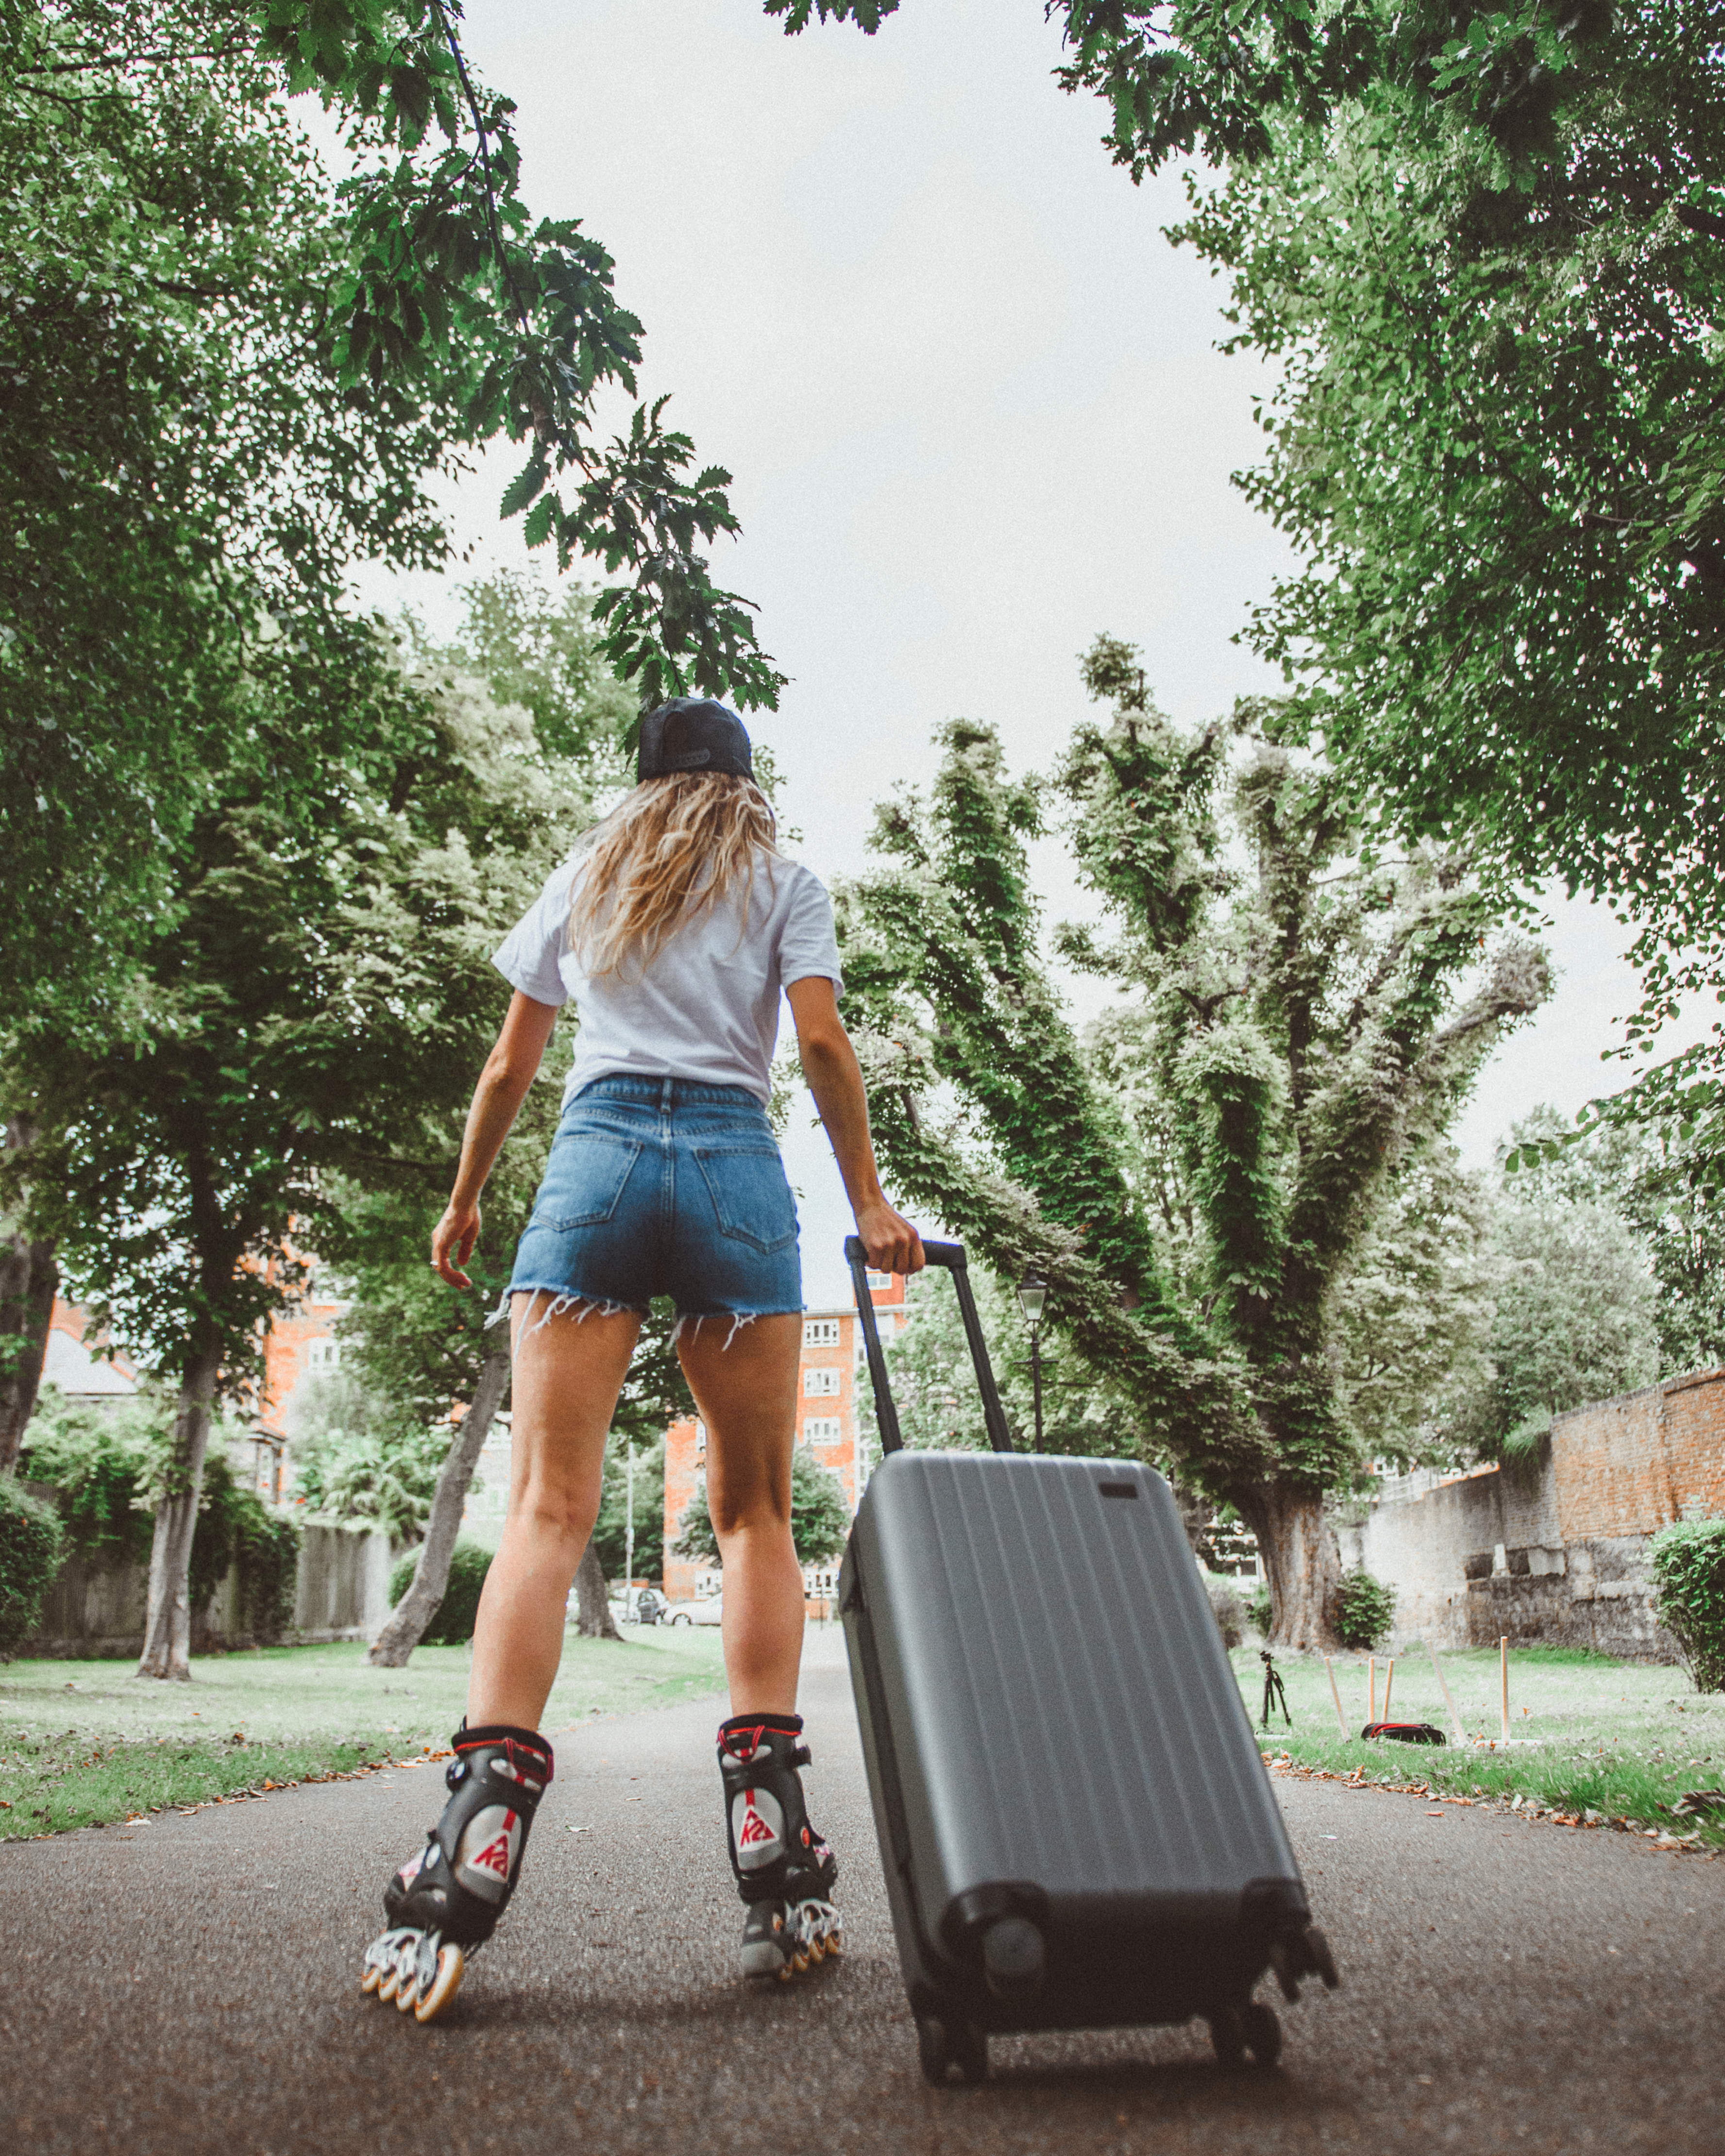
{"x":1295,"y":1023}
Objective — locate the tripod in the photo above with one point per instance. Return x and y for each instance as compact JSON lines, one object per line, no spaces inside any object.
{"x":1273,"y":1691}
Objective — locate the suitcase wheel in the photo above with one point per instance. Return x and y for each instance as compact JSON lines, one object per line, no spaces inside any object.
{"x":943,"y":2045}
{"x":1262,"y":2032}
{"x":1228,"y":2035}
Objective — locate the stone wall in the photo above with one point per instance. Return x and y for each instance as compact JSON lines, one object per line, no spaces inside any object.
{"x":1555,"y":1549}
{"x":341,"y":1592}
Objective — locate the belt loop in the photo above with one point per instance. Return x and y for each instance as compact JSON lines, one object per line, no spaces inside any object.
{"x":667,"y":1093}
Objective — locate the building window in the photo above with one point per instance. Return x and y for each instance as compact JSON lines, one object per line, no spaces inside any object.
{"x":816,"y":1382}
{"x":820,"y":1332}
{"x":879,"y":1280}
{"x":323,"y":1354}
{"x":886,"y":1327}
{"x":822,"y":1430}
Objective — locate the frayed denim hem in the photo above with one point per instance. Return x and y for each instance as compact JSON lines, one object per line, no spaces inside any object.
{"x":560,"y":1303}
{"x":738,"y":1319}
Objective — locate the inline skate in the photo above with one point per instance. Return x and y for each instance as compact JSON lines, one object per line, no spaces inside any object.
{"x":445,"y":1900}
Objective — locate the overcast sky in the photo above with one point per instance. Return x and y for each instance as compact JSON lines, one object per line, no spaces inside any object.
{"x":972,"y":402}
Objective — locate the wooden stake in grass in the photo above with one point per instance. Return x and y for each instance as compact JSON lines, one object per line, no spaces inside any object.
{"x":1444,"y":1686}
{"x":1336,"y":1695}
{"x":1389,"y":1679}
{"x":1503,"y":1662}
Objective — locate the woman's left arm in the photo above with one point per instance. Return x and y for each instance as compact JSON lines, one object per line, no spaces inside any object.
{"x":509,"y":1069}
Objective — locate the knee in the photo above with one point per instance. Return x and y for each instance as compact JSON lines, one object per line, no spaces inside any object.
{"x":561,"y":1516}
{"x":746,"y":1511}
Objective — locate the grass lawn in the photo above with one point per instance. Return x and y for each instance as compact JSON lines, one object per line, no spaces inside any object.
{"x":87,"y":1744}
{"x":1591,"y":1739}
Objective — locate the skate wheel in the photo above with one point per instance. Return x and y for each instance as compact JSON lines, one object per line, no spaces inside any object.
{"x":451,"y":1962}
{"x":370,"y":1977}
{"x":835,"y":1944}
{"x":406,"y":1990}
{"x":817,"y":1951}
{"x":1262,"y":2032}
{"x":388,"y":1984}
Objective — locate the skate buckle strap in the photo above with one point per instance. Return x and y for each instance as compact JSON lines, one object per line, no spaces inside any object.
{"x":526,"y":1759}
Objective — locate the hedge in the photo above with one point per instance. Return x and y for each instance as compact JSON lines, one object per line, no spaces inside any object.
{"x":451,"y":1622}
{"x":1688,"y":1563}
{"x":33,"y":1547}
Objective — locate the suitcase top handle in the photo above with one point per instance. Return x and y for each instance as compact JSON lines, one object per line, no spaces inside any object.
{"x":951,"y":1255}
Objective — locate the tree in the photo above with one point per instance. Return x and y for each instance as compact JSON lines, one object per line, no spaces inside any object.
{"x":313,"y":1001}
{"x":1574,"y":1316}
{"x":1493,"y":439}
{"x":354,"y":1459}
{"x":1662,"y":1183}
{"x":1414,"y":1315}
{"x":934,"y":1385}
{"x":820,"y":1519}
{"x":610,"y":1534}
{"x":226,"y":374}
{"x":1306,"y":1022}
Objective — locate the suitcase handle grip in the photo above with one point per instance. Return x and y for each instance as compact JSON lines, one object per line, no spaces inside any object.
{"x":951,"y":1256}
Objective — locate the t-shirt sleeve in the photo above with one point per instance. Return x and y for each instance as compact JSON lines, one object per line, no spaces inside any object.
{"x":527,"y":956}
{"x":808,"y":945}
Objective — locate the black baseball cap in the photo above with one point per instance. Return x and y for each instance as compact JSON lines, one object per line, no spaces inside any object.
{"x":692,"y":733}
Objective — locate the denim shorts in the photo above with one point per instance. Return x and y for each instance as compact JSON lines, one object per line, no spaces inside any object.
{"x":660,"y":1186}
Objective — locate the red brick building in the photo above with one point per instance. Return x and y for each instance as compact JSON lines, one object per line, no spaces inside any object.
{"x":833,"y":1378}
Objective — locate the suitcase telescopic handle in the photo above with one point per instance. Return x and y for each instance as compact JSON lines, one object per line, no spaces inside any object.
{"x":951,"y":1255}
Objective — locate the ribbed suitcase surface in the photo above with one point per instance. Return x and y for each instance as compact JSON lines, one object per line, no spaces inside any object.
{"x":1075,"y":1823}
{"x":1063,"y":1711}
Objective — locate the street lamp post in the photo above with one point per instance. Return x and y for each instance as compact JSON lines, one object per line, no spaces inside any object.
{"x":628,"y":1527}
{"x":1032,"y":1295}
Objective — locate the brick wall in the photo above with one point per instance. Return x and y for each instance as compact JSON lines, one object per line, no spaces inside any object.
{"x":1633,"y":1465}
{"x":1555,"y":1549}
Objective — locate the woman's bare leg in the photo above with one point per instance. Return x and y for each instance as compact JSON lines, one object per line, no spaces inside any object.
{"x":568,"y":1372}
{"x":746,"y":1393}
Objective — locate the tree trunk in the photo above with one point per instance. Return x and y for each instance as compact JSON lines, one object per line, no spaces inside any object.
{"x":593,"y":1620}
{"x":406,"y":1624}
{"x":1300,"y":1556}
{"x":29,"y":1280}
{"x":167,"y":1622}
{"x":1195,"y":1510}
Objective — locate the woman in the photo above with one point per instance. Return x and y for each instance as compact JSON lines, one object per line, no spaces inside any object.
{"x":674,"y":927}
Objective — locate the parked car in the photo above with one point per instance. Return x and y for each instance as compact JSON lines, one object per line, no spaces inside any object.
{"x":645,"y":1606}
{"x":709,"y":1610}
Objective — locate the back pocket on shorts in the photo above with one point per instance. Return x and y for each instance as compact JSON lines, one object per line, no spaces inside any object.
{"x":584,"y":1179}
{"x":750,"y":1194}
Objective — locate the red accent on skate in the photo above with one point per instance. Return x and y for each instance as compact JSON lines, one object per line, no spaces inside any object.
{"x":495,"y":1855}
{"x":754,"y":1828}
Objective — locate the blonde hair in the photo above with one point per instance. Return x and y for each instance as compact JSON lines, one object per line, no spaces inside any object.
{"x":668,"y":853}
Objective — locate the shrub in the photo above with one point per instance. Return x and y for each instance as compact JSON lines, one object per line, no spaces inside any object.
{"x":1229,"y":1609}
{"x":1364,"y":1610}
{"x":1259,"y":1607}
{"x":820,"y":1521}
{"x":1689,"y":1571}
{"x":33,"y":1547}
{"x":97,"y":1458}
{"x":451,"y":1622}
{"x":236,"y":1528}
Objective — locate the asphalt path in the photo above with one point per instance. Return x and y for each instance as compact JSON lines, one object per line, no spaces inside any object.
{"x":192,"y":1985}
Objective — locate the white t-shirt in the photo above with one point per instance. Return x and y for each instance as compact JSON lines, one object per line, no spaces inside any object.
{"x":707,"y":1006}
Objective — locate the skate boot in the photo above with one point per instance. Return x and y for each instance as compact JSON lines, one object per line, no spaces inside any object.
{"x":446,"y":1900}
{"x":785,"y":1871}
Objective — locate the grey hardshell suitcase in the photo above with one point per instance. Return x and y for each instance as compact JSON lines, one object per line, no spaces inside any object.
{"x":1075,"y":1822}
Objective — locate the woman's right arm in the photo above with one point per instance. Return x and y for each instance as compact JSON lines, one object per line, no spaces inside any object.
{"x":836,"y":1079}
{"x":509,"y":1069}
